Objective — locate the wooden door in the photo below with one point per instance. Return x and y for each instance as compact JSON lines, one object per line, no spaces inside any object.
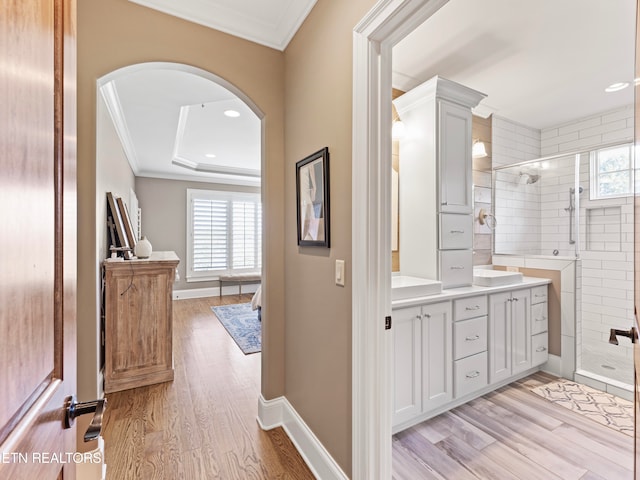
{"x":37,"y":237}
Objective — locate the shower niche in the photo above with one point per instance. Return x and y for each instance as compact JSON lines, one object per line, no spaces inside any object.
{"x":603,"y":228}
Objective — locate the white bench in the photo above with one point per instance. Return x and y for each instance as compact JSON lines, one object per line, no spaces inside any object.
{"x":240,"y":279}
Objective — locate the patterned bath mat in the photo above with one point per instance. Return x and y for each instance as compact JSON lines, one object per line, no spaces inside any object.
{"x":242,"y":324}
{"x":604,"y":408}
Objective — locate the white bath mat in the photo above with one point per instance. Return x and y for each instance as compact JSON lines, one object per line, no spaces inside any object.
{"x":604,"y":408}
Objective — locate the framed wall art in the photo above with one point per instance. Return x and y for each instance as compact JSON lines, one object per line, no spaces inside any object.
{"x":312,"y":197}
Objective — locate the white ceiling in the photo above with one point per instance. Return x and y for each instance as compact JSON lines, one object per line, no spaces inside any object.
{"x":169,"y":121}
{"x":268,"y":22}
{"x":541,"y":63}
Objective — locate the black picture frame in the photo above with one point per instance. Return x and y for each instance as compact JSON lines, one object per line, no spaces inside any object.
{"x":312,"y":200}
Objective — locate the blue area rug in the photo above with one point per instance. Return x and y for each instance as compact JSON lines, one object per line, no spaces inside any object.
{"x":242,"y":324}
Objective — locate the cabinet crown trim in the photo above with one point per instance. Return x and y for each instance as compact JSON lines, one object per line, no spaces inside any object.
{"x":441,"y":88}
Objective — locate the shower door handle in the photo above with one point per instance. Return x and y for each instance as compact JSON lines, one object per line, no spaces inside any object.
{"x":632,"y":333}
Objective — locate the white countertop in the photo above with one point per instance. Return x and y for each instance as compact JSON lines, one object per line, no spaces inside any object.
{"x":454,"y":293}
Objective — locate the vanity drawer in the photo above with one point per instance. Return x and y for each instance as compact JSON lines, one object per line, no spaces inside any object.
{"x":469,"y":374}
{"x":539,"y":294}
{"x":539,"y":318}
{"x":469,"y":337}
{"x":539,"y":348}
{"x":469,"y":307}
{"x":456,"y":231}
{"x":456,"y":268}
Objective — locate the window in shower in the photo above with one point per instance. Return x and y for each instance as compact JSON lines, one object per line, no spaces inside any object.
{"x":611,"y":172}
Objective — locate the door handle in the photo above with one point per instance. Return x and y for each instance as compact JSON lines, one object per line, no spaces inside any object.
{"x":632,"y":333}
{"x":75,"y":409}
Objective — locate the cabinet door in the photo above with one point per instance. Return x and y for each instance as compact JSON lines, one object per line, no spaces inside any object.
{"x":521,"y":330}
{"x":499,"y":336}
{"x":437,"y":375}
{"x":407,"y":364}
{"x":454,"y":154}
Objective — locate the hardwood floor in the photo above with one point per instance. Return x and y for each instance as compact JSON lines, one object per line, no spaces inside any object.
{"x":512,"y":434}
{"x":203,"y":424}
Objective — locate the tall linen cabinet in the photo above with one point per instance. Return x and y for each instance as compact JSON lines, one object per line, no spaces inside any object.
{"x":435,"y":193}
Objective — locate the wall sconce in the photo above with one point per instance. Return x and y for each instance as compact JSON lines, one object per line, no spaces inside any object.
{"x":478,"y":149}
{"x":398,"y":130}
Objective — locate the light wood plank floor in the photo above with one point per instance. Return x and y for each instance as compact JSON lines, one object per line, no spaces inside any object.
{"x":512,"y":434}
{"x":203,"y":424}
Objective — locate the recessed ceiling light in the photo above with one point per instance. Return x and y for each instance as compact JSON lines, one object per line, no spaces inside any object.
{"x":209,"y":155}
{"x":616,"y":87}
{"x":232,"y":113}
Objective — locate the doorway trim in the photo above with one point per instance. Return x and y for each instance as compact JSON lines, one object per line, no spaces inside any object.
{"x":382,"y":27}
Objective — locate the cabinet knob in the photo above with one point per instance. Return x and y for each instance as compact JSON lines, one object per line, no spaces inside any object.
{"x":541,"y":319}
{"x":427,"y":315}
{"x":541,"y":349}
{"x":457,"y":267}
{"x":477,"y":307}
{"x":473,"y":374}
{"x":443,"y":203}
{"x":456,"y":231}
{"x":471,"y":338}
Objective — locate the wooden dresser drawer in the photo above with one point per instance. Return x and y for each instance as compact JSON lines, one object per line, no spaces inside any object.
{"x":456,"y":231}
{"x":469,"y":337}
{"x":469,"y":307}
{"x":469,"y":374}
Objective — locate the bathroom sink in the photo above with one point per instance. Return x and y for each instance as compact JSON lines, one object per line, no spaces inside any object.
{"x":495,"y":278}
{"x":403,"y":286}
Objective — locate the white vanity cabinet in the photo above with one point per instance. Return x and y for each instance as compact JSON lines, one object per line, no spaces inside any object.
{"x":455,"y":165}
{"x":469,"y":345}
{"x":456,"y":348}
{"x":422,"y":356}
{"x":509,"y":334}
{"x":539,"y":325}
{"x":435,"y":189}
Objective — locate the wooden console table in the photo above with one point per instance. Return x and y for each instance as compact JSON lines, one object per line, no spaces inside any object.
{"x":139,"y":321}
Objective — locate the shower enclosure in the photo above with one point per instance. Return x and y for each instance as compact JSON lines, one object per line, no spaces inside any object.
{"x":548,"y":210}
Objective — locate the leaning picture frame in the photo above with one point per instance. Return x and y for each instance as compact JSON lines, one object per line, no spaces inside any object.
{"x":312,"y":199}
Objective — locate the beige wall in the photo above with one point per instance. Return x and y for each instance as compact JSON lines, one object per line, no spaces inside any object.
{"x":164,"y":218}
{"x":113,"y":174}
{"x":318,"y":104}
{"x":116,"y":33}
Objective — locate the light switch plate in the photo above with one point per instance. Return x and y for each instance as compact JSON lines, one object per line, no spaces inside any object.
{"x":340,"y":273}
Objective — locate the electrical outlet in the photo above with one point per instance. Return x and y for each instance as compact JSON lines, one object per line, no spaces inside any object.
{"x":340,"y":273}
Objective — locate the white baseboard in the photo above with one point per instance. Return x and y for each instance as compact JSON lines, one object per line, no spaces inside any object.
{"x":212,"y":291}
{"x":279,"y":413}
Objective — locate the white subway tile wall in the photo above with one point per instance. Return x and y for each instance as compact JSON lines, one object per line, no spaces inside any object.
{"x":606,"y":244}
{"x":533,"y":219}
{"x":517,"y":203}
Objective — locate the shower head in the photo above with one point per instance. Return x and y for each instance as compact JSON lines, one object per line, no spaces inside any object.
{"x":530,"y":177}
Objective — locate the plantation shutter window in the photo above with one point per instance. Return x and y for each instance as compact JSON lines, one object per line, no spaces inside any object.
{"x":224,"y":233}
